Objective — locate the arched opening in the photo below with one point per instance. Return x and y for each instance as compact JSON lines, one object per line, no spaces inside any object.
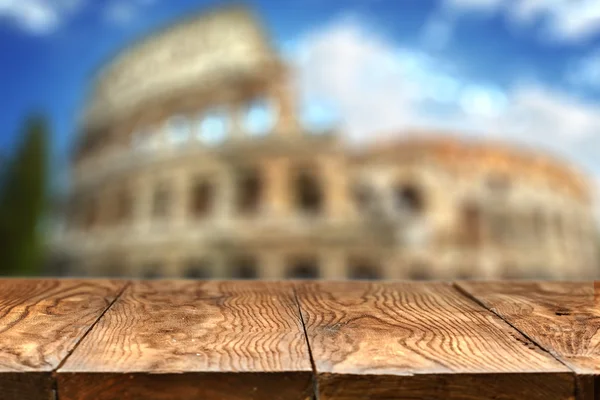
{"x":58,"y":265}
{"x":464,"y":274}
{"x":560,"y":230}
{"x":304,"y":268}
{"x":539,"y":224}
{"x":244,"y":267}
{"x":363,"y":269}
{"x":498,"y":183}
{"x":498,"y":222}
{"x":362,"y":196}
{"x":161,"y":200}
{"x":202,"y":199}
{"x":151,"y":271}
{"x":214,"y":126}
{"x":249,"y":191}
{"x":90,"y":218}
{"x":124,"y":206}
{"x":145,"y":140}
{"x":198,"y":269}
{"x":75,"y":213}
{"x":113,"y":267}
{"x":180,"y":129}
{"x":260,"y":118}
{"x":420,"y":272}
{"x":540,"y":272}
{"x":510,"y":271}
{"x":308,"y":192}
{"x":410,"y":198}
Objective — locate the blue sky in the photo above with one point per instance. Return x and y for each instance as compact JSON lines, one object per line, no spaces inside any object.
{"x":522,"y":70}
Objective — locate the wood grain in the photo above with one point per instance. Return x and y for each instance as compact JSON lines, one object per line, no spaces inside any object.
{"x":41,"y":321}
{"x":562,"y":317}
{"x":193,"y":340}
{"x":420,"y":341}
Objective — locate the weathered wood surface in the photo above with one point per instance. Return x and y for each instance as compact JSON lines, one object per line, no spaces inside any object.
{"x":420,"y":341}
{"x":193,"y":340}
{"x":41,"y":322}
{"x":563,"y":318}
{"x":182,"y":340}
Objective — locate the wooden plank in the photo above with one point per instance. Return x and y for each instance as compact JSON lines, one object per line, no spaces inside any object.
{"x":562,"y":317}
{"x":193,"y":340}
{"x":402,"y":340}
{"x":41,"y":321}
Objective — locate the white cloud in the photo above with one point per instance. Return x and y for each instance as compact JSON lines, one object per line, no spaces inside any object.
{"x":586,"y":71}
{"x":477,"y":5}
{"x":547,"y":119}
{"x":438,"y":30}
{"x":482,"y":101}
{"x":375,"y":87}
{"x":45,"y":16}
{"x":380,"y":90}
{"x":560,"y":20}
{"x":124,"y":11}
{"x":575,"y":20}
{"x":120,"y":11}
{"x":342,"y":61}
{"x":38,"y":16}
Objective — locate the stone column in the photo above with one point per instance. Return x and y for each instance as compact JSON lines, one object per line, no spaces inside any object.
{"x":487,"y":267}
{"x":225,"y":196}
{"x":581,"y":253}
{"x":142,"y":204}
{"x":237,"y":116}
{"x":135,"y":270}
{"x":283,"y":97}
{"x":394,"y":266}
{"x":105,"y":202}
{"x":271,"y":265}
{"x":487,"y":236}
{"x":219,"y":264}
{"x":277,"y":195}
{"x":181,"y":197}
{"x":335,"y":186}
{"x":172,"y":267}
{"x":590,"y":242}
{"x":556,"y":233}
{"x":333,"y":264}
{"x":554,"y":250}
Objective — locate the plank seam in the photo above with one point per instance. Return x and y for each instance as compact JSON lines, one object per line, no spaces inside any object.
{"x":473,"y":298}
{"x":76,"y":345}
{"x":310,"y":354}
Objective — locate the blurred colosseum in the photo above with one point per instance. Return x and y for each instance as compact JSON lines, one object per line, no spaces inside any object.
{"x":191,"y":162}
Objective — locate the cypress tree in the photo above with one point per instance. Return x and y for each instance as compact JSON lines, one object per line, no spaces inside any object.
{"x":23,"y":202}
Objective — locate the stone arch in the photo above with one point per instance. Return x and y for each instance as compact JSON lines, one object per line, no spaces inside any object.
{"x":308,"y":190}
{"x":244,"y":267}
{"x":303,"y":268}
{"x":420,"y":271}
{"x":198,"y":268}
{"x":410,"y":197}
{"x":363,"y":268}
{"x":250,"y":188}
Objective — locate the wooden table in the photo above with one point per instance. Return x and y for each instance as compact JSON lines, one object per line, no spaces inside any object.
{"x":184,"y":340}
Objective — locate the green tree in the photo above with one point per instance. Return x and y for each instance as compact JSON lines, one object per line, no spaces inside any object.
{"x":23,"y":195}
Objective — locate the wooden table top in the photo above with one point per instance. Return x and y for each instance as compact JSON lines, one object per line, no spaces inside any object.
{"x":115,"y":339}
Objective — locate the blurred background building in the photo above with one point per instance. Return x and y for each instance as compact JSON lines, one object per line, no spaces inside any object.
{"x":191,"y":162}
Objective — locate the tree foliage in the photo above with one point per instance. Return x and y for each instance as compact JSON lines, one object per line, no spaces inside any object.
{"x":23,"y":196}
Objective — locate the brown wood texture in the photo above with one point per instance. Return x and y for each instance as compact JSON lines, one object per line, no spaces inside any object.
{"x":193,"y":340}
{"x":402,"y":340}
{"x":562,"y":317}
{"x":41,"y":321}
